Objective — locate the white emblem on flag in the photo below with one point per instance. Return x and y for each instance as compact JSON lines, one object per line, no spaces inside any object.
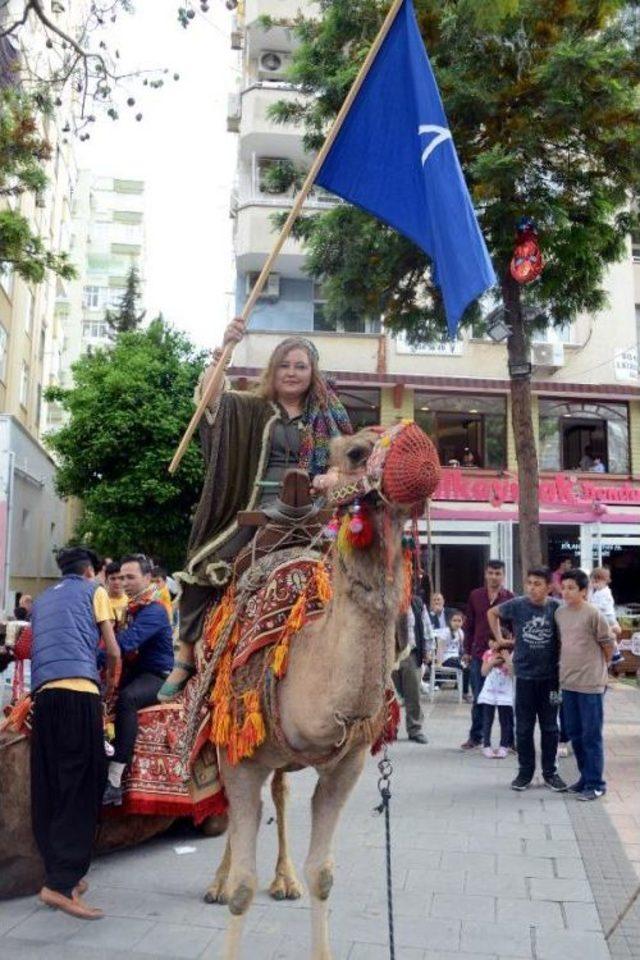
{"x":442,"y":134}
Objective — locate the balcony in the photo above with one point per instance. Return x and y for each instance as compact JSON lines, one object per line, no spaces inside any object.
{"x":278,"y":37}
{"x":262,"y":136}
{"x":355,"y":352}
{"x":255,"y":237}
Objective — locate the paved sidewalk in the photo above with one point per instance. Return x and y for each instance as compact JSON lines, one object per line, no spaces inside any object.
{"x":479,"y":871}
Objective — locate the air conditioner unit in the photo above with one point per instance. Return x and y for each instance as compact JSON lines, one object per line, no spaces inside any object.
{"x":273,"y":65}
{"x":271,"y":289}
{"x":548,"y":355}
{"x":236,"y":35}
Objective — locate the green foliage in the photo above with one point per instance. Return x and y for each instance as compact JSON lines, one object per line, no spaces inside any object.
{"x":127,"y":316}
{"x":128,"y":410}
{"x":23,"y":151}
{"x":543,"y":103}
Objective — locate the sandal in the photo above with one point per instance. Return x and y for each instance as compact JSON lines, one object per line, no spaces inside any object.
{"x":171,"y":689}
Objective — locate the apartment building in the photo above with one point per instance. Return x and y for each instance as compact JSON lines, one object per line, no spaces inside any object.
{"x":107,"y":240}
{"x":33,"y":520}
{"x":585,"y":377}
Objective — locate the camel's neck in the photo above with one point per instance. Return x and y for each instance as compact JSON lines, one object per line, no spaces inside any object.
{"x":344,"y":664}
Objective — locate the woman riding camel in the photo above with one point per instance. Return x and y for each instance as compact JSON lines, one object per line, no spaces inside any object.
{"x":249,"y":440}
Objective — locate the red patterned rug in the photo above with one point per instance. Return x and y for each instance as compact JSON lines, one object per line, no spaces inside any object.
{"x":154,"y":785}
{"x":267,"y":611}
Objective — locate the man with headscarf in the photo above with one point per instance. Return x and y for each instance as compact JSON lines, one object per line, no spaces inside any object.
{"x":68,"y":766}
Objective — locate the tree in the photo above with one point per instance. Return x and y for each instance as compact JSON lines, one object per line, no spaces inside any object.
{"x":50,"y":66}
{"x":22,"y":152}
{"x":543,"y":103}
{"x":127,"y":413}
{"x":127,"y":318}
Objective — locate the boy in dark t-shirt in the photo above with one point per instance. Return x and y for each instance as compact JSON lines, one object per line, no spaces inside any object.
{"x":535,"y":663}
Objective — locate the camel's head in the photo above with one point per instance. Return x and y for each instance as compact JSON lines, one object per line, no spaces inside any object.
{"x":399,"y":465}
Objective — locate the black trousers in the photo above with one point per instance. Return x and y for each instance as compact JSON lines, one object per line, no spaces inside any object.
{"x":137,"y":691}
{"x":456,"y":664}
{"x":505,"y":716}
{"x":536,"y":699}
{"x":68,"y":769}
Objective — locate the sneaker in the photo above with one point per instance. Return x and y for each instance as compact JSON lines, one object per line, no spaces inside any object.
{"x":467,"y":697}
{"x":520,"y":783}
{"x":590,"y":795}
{"x":555,"y":783}
{"x":502,"y":752}
{"x":488,"y":753}
{"x":563,"y":750}
{"x":617,"y":657}
{"x":112,"y":796}
{"x":576,"y":787}
{"x":469,"y":745}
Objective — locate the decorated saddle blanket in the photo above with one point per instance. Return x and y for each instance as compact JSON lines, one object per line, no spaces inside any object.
{"x":154,"y":783}
{"x":266,"y":612}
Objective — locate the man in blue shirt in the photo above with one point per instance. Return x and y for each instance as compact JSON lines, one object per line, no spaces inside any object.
{"x":536,"y":660}
{"x":147,"y":647}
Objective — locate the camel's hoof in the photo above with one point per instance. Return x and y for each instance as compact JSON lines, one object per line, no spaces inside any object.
{"x":285,"y":888}
{"x":216,"y":893}
{"x":240,"y":900}
{"x":324,"y":883}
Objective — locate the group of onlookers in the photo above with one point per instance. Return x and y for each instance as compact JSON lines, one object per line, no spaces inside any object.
{"x":534,"y":658}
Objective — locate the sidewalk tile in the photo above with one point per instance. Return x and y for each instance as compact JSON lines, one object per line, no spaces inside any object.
{"x":501,"y":885}
{"x":570,"y":867}
{"x":524,"y":866}
{"x":553,"y":848}
{"x":463,"y":907}
{"x":435,"y":881}
{"x":504,"y":939}
{"x":561,"y":890}
{"x":537,"y":913}
{"x":582,"y":916}
{"x":554,"y":945}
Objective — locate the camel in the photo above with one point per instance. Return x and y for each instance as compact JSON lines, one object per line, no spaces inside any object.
{"x":339,"y":669}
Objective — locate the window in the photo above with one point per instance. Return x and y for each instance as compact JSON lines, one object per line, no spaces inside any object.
{"x":593,"y":437}
{"x":553,"y":334}
{"x":6,"y":279}
{"x":94,"y":329}
{"x":280,"y":171}
{"x":92,"y":298}
{"x":468,"y":430}
{"x":348,"y":322}
{"x":4,"y":350}
{"x":30,"y":312}
{"x":635,"y":247}
{"x":362,"y":405}
{"x":24,"y":384}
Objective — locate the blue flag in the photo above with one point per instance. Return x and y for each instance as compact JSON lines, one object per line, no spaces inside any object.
{"x":395,"y":158}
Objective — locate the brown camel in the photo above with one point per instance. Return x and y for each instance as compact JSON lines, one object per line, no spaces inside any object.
{"x":339,"y":669}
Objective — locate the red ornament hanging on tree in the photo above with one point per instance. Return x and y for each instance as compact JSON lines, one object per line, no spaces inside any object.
{"x":526,"y":263}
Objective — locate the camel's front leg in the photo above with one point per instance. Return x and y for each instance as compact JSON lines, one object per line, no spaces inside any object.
{"x":243,"y":784}
{"x":217,"y":891}
{"x":285,"y":885}
{"x":332,"y":790}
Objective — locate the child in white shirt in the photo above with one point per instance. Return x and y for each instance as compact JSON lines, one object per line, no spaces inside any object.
{"x":497,"y":691}
{"x":601,"y":597}
{"x":451,"y":643}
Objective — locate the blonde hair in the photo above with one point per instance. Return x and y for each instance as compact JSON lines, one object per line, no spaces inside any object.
{"x":266,"y":386}
{"x":600,"y":573}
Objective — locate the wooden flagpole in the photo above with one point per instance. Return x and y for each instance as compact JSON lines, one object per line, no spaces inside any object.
{"x":215,"y":383}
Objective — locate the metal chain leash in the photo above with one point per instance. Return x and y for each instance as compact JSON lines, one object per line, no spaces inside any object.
{"x":385,"y":769}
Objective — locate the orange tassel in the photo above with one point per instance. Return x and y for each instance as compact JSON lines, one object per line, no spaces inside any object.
{"x":323,"y":584}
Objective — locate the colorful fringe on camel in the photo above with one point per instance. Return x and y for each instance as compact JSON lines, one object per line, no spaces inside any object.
{"x":237,"y":720}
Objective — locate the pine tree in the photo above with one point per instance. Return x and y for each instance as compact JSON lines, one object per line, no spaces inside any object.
{"x":542,"y":99}
{"x":127,"y":316}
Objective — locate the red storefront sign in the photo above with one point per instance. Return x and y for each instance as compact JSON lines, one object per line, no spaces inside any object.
{"x":561,"y":490}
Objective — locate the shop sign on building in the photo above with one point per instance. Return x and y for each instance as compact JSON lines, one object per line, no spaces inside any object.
{"x":563,"y":489}
{"x":626,"y":365}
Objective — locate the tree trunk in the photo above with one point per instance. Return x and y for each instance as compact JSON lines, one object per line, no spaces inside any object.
{"x":519,"y":352}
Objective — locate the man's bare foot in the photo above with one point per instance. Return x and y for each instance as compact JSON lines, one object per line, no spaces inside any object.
{"x":74,"y":906}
